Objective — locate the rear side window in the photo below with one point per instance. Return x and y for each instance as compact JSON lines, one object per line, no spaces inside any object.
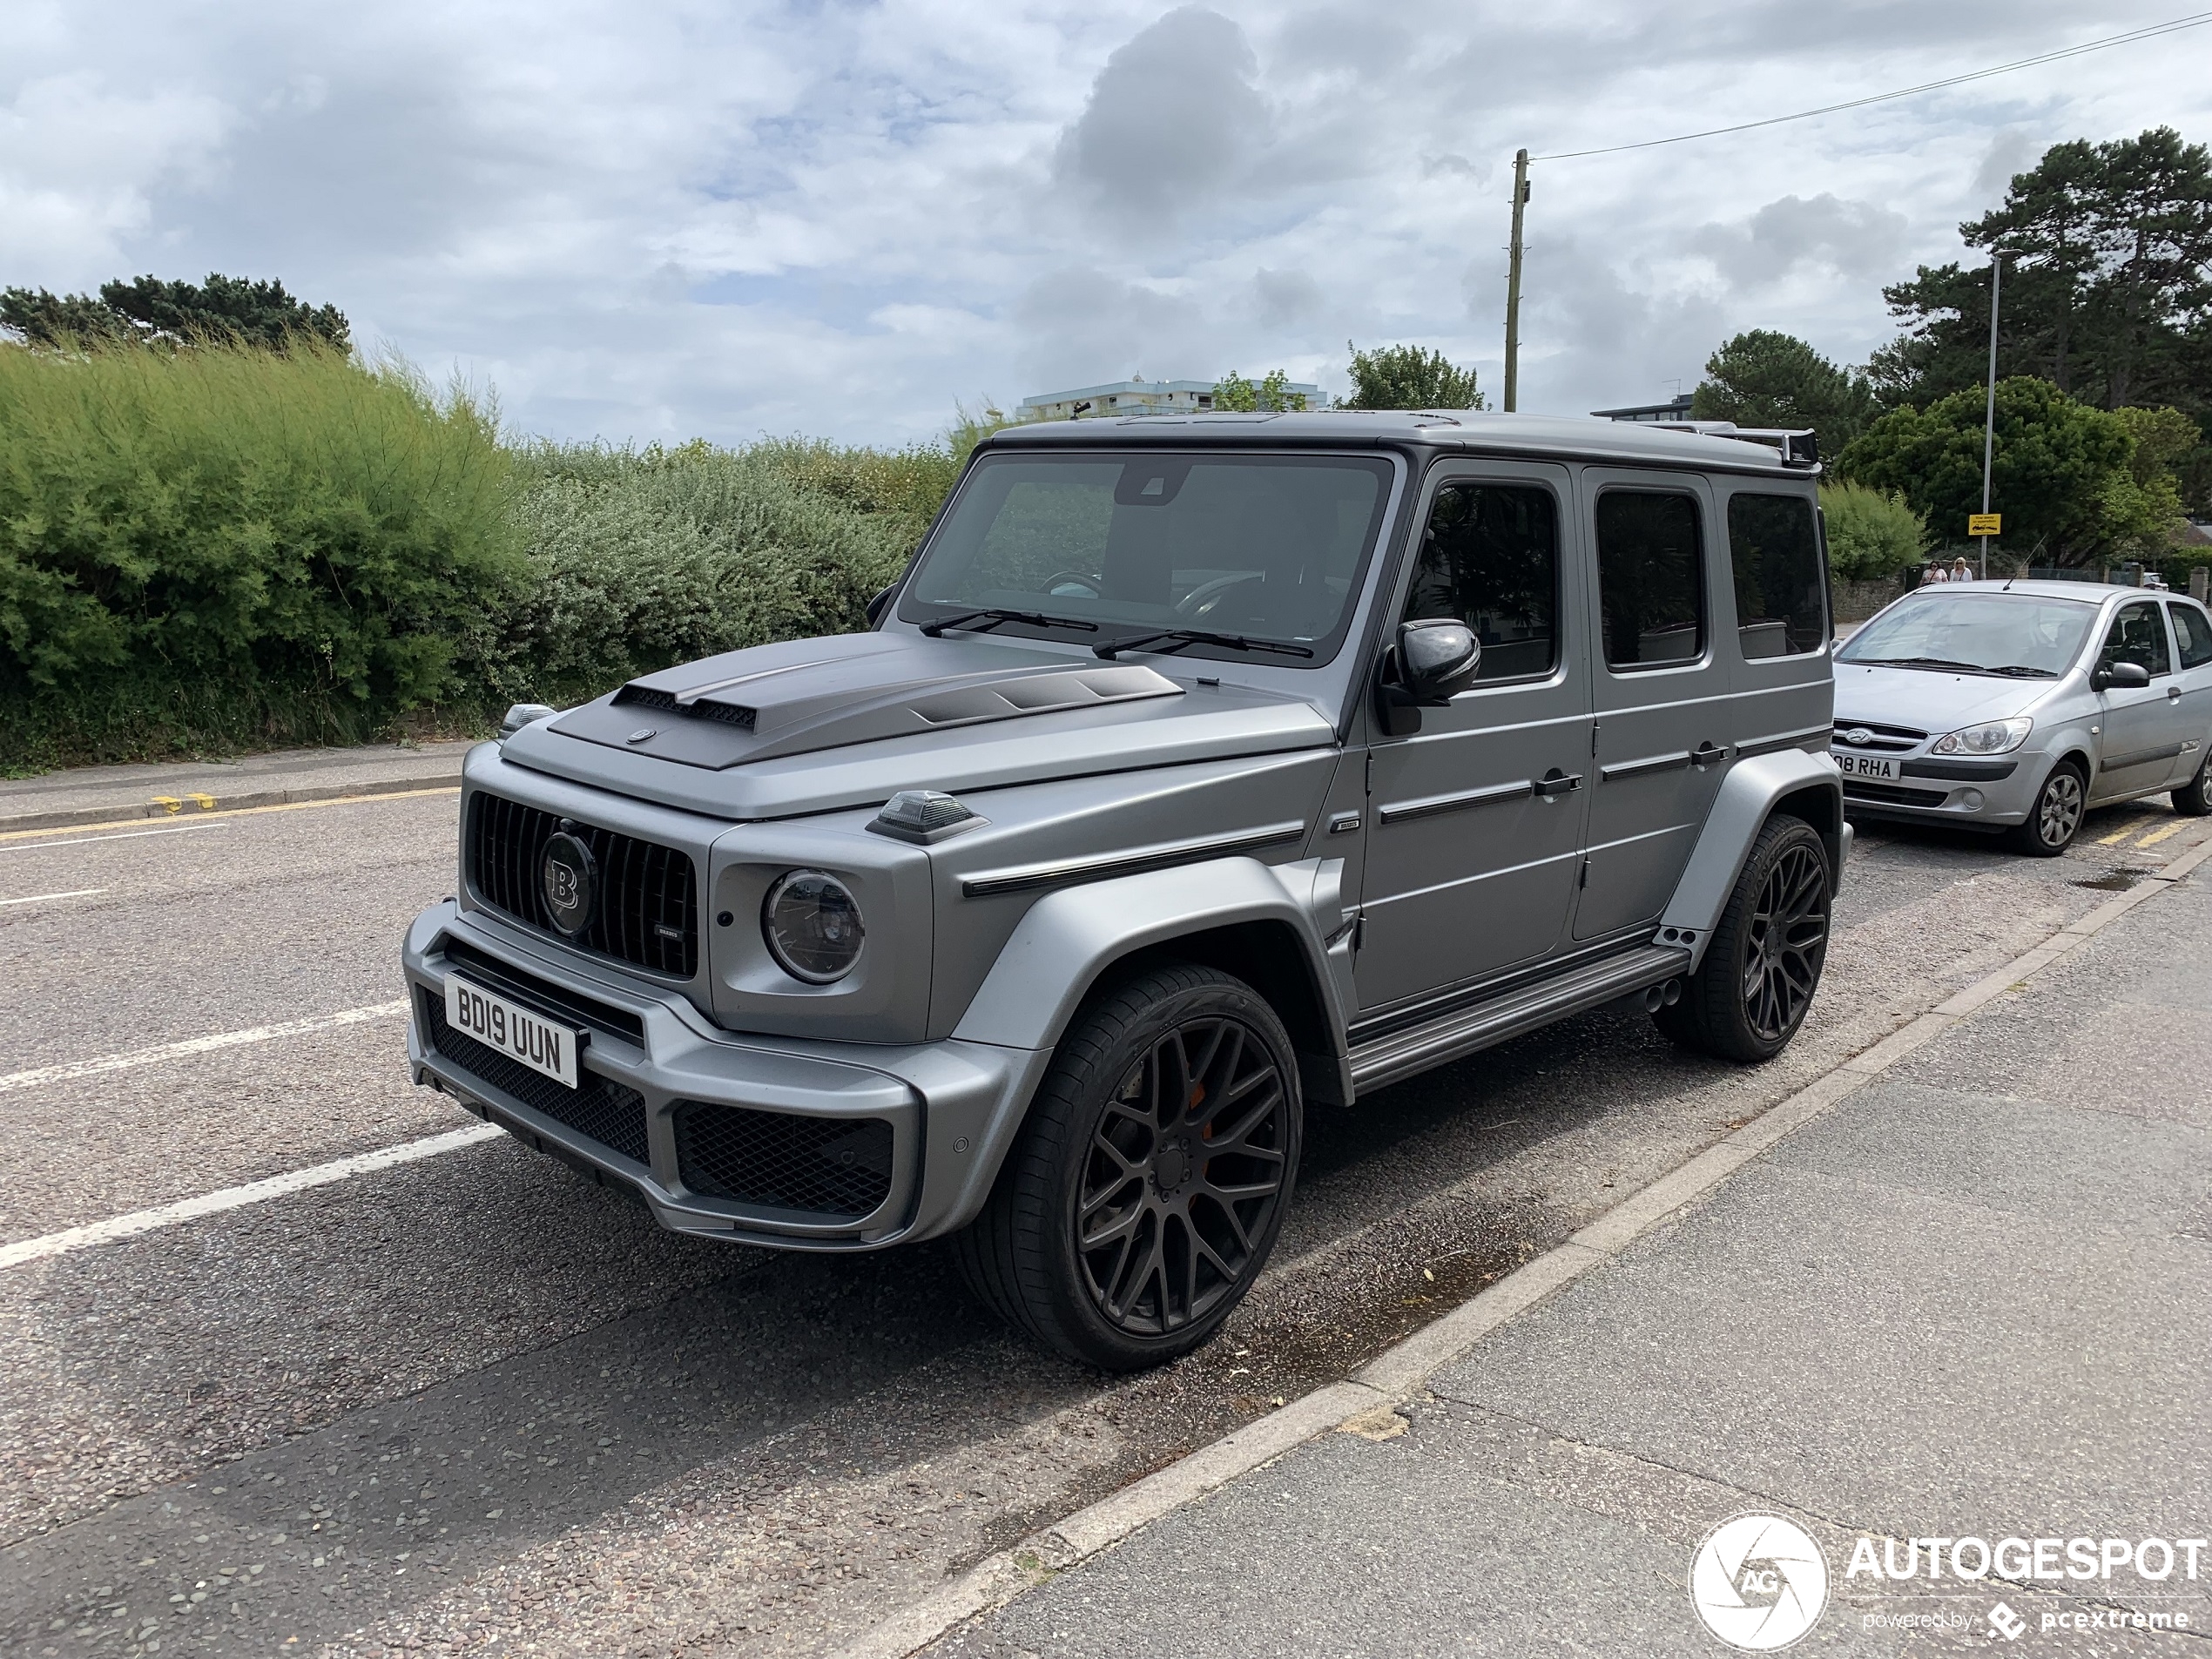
{"x":1781,"y":602}
{"x":1651,"y":579}
{"x":1490,"y":558}
{"x":2138,"y":636}
{"x":2193,"y":630}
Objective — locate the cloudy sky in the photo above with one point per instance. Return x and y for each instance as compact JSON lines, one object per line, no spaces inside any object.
{"x":661,"y":220}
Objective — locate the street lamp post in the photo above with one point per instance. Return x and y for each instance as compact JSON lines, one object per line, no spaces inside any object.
{"x":1989,"y":412}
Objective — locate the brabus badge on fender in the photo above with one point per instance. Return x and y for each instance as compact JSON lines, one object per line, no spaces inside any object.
{"x":570,"y":878}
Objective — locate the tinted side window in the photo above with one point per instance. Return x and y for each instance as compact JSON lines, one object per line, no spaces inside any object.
{"x":1781,"y":602}
{"x":2195,"y":630}
{"x":2138,"y":636}
{"x":1651,"y":579}
{"x":1490,"y":558}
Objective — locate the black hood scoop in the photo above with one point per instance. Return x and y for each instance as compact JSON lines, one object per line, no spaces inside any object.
{"x":806,"y":695}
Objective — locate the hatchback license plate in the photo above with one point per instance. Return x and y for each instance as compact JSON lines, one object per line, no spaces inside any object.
{"x":513,"y":1029}
{"x":1857,"y":766}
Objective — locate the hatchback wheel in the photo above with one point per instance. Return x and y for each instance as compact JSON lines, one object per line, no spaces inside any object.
{"x":2055,"y":819}
{"x":1149,"y":1180}
{"x":2194,"y":798}
{"x":1749,"y":995}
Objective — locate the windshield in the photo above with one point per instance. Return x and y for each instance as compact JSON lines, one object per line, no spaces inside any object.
{"x":2014,"y":635}
{"x":1227,"y":547}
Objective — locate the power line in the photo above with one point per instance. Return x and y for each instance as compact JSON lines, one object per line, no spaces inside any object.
{"x":2190,"y":22}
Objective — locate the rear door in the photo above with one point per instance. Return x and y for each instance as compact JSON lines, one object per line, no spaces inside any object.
{"x":2193,"y":680}
{"x":1659,"y":690}
{"x":1475,"y":837}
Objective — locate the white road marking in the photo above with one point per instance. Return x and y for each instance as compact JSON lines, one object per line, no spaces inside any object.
{"x":208,"y":1203}
{"x":128,"y":835}
{"x":40,"y":898}
{"x":138,"y":1057}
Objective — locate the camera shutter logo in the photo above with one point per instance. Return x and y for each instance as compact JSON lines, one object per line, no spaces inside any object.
{"x":1759,"y":1582}
{"x":569,"y":876}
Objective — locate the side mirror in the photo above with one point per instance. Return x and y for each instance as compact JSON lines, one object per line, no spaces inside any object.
{"x":2124,"y":676}
{"x":1431,"y":662}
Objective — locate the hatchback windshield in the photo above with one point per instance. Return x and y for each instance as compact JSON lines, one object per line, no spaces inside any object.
{"x":2016,"y":635}
{"x":1217,"y":554}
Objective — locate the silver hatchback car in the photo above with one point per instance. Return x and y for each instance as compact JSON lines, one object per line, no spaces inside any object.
{"x":2018,"y":706}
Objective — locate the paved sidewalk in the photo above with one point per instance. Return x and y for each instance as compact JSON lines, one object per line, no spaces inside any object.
{"x":1970,"y":1301}
{"x":98,"y":794}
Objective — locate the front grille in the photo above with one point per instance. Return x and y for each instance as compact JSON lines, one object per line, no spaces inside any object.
{"x":1890,"y":740}
{"x":611,"y":1113}
{"x":835,"y":1167}
{"x":1890,"y":795}
{"x":648,"y":910}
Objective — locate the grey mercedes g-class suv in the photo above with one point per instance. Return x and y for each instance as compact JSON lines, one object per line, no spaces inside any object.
{"x":1196,"y":771}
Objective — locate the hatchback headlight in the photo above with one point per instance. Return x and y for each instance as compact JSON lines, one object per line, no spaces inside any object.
{"x":1998,"y":737}
{"x":811,"y":923}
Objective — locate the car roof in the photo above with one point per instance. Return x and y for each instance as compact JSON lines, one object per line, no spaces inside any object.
{"x":2088,"y":593}
{"x":1480,"y":431}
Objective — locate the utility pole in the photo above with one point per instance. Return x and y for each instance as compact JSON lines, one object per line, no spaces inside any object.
{"x":1513,"y":284}
{"x":1989,"y":413}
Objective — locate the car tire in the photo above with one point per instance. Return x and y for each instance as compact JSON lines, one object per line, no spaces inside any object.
{"x":2194,"y":798}
{"x":1748,"y":995}
{"x":1119,"y":1231}
{"x":2055,"y":818}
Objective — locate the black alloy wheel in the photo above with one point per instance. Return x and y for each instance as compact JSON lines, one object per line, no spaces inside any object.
{"x":1751,"y":991}
{"x":1149,"y":1180}
{"x":1788,"y":941}
{"x":2055,"y":818}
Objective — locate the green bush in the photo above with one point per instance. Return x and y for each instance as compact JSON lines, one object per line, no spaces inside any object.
{"x":233,"y":546}
{"x":1872,"y":534}
{"x":641,"y":559}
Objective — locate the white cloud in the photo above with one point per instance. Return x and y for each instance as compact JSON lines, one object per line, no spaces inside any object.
{"x":672,"y":218}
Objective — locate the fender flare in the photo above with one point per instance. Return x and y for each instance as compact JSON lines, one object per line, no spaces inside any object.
{"x":1069,"y":938}
{"x":1753,"y":788}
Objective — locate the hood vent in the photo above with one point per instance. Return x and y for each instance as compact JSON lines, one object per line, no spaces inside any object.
{"x":645,"y":696}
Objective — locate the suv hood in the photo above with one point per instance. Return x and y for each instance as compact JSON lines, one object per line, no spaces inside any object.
{"x":1931,"y":700}
{"x":819,"y":724}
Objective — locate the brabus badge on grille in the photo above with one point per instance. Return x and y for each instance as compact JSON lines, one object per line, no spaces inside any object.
{"x":569,"y":876}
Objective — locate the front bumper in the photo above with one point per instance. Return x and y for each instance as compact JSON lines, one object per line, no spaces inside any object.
{"x":782,"y":1142}
{"x":1989,"y":793}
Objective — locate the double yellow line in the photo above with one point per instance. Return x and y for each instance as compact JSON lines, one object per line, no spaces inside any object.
{"x":234,"y":811}
{"x":2174,"y":828}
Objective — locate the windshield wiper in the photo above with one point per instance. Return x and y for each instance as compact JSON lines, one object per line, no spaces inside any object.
{"x":990,"y":619}
{"x":2022,"y":671}
{"x":1179,"y":637}
{"x":1921,"y":661}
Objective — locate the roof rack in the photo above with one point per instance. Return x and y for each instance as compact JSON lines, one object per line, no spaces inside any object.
{"x":1798,"y":446}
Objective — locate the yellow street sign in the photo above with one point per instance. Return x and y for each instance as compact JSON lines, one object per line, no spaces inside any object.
{"x":1985,"y":523}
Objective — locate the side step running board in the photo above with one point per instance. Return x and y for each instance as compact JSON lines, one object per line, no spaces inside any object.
{"x":1510,"y":1013}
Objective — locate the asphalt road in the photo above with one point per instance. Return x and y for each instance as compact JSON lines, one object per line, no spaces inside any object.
{"x":475,"y":1404}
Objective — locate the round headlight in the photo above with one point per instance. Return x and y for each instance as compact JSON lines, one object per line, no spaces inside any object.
{"x":811,"y":923}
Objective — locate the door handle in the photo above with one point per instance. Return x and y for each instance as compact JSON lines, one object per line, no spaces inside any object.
{"x":2172,"y":694}
{"x":1555,"y":784}
{"x":1707,"y":752}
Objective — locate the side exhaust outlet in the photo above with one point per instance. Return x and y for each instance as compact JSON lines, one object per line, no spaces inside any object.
{"x":1661,"y":997}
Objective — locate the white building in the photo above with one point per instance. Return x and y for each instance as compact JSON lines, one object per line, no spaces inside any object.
{"x":1134,"y":397}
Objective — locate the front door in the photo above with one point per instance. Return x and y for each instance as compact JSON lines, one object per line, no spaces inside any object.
{"x":2140,"y":746}
{"x":1660,"y":691}
{"x":1475,"y":827}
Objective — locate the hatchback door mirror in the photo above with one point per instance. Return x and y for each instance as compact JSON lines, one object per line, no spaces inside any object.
{"x":1433,"y":660}
{"x":2120,"y":676}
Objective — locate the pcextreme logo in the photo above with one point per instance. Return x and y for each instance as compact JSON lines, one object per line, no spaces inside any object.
{"x":1759,"y":1581}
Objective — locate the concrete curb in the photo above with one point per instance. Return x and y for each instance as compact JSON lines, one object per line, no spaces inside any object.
{"x":198,"y":805}
{"x":1399,"y":1371}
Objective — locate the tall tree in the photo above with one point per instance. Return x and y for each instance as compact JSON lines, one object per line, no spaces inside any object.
{"x":1233,"y":392}
{"x":1766,"y":379}
{"x":2108,"y":290}
{"x":228,"y":311}
{"x":2063,"y":475}
{"x":1408,"y":377}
